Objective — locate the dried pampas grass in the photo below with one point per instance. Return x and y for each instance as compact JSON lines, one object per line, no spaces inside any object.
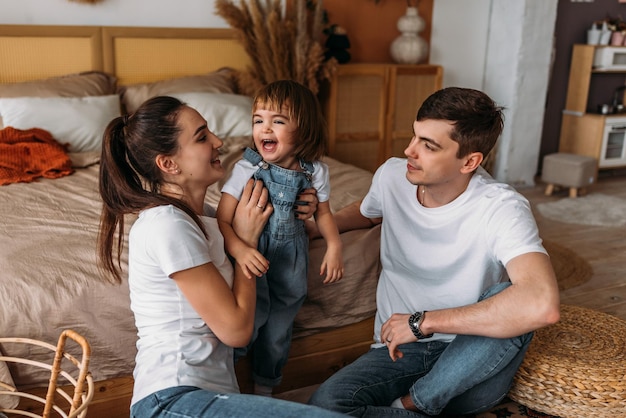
{"x":280,"y":45}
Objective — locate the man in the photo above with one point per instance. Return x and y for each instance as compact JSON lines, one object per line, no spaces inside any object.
{"x":464,"y":281}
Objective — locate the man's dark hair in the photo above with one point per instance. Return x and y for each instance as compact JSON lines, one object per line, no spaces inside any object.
{"x":478,"y":121}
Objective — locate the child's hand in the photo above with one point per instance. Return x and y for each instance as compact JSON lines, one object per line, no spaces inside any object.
{"x":332,"y":265}
{"x":252,"y":263}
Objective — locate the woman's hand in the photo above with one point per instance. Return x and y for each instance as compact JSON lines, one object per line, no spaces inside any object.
{"x":308,"y":206}
{"x":253,"y":211}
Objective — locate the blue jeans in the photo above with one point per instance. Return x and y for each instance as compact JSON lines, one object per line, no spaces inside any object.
{"x":191,"y":402}
{"x":468,"y":375}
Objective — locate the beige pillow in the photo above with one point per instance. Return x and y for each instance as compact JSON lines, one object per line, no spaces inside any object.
{"x":91,"y":83}
{"x":220,"y":81}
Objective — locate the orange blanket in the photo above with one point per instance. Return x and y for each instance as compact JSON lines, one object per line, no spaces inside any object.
{"x":28,"y":154}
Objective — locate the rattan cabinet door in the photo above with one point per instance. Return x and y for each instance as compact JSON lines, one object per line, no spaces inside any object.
{"x":371,"y":108}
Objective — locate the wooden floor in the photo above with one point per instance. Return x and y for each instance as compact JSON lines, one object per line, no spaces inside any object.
{"x":604,"y":248}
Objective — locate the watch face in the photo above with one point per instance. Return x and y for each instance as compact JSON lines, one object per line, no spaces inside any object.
{"x":414,"y":321}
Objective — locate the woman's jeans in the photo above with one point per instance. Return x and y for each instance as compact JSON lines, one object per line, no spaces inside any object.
{"x":191,"y":402}
{"x":467,"y":375}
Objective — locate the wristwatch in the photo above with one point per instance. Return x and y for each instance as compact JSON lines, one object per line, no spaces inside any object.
{"x":415,"y":321}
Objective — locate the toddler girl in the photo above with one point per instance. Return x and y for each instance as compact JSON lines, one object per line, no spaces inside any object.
{"x":289,"y":133}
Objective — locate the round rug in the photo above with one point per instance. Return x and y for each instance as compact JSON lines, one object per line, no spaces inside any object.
{"x":571,"y":269}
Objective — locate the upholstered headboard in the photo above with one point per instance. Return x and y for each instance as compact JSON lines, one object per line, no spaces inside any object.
{"x":132,"y":54}
{"x":35,"y":52}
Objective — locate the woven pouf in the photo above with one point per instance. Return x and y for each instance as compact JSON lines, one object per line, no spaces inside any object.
{"x":576,"y":367}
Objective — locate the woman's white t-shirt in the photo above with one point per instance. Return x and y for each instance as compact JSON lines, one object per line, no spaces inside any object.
{"x":175,"y":346}
{"x":436,"y":258}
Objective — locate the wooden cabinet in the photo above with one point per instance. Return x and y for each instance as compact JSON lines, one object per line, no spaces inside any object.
{"x":371,"y":108}
{"x":584,"y":130}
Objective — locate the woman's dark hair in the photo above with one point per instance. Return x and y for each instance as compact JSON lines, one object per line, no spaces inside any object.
{"x":477,"y":120}
{"x":303,"y":108}
{"x":130,"y":180}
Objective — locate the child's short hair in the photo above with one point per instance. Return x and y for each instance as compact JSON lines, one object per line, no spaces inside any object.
{"x":302,"y":107}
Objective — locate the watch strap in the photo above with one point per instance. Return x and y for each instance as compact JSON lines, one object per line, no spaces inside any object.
{"x":415,"y":322}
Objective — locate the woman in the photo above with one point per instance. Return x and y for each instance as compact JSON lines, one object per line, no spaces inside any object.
{"x":190,"y":304}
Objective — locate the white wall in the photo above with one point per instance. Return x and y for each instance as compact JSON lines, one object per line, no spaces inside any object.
{"x":459,"y":41}
{"x":518,"y":64}
{"x":503,"y":48}
{"x":160,"y":13}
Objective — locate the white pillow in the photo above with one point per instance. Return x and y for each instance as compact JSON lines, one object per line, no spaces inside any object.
{"x":226,"y":114}
{"x":77,"y":121}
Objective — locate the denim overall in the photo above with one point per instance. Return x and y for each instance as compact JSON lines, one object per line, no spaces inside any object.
{"x":281,"y":292}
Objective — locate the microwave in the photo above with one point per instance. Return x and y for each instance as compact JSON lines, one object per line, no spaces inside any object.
{"x":610,"y":58}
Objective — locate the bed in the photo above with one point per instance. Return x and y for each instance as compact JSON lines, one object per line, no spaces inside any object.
{"x":69,"y":81}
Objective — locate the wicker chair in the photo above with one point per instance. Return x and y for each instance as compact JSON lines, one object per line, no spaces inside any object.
{"x":575,"y":368}
{"x":67,"y":401}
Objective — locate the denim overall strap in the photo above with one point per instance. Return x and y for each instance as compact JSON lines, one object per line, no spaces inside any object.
{"x":307,"y":168}
{"x":254,"y":158}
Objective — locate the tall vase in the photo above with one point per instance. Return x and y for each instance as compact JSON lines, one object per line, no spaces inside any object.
{"x":409,"y":48}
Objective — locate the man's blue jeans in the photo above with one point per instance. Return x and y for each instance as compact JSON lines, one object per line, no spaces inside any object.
{"x":191,"y":402}
{"x":468,"y":375}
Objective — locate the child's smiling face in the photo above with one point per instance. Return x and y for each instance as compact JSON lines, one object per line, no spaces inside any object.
{"x":274,"y":137}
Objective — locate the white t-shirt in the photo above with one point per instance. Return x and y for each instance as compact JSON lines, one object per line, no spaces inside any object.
{"x":244,"y":170}
{"x":435,"y":258}
{"x":175,"y":346}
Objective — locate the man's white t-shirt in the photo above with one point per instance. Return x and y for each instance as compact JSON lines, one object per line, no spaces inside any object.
{"x":435,"y":258}
{"x":175,"y":345}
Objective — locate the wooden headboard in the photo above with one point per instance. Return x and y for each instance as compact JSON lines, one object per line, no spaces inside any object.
{"x":132,"y":54}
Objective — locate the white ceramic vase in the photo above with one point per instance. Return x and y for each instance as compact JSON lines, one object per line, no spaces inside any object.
{"x":409,"y":48}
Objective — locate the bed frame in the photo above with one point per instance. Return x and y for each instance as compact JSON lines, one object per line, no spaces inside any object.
{"x":136,"y":55}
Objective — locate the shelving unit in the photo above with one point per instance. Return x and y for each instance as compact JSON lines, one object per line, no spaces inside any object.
{"x":585,"y":133}
{"x":371,"y":108}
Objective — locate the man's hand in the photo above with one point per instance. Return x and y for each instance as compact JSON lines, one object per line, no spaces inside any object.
{"x":396,"y":331}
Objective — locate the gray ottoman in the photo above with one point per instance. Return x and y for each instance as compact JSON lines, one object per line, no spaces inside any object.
{"x":568,"y":170}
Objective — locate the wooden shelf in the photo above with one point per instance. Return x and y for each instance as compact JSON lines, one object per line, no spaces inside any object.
{"x":586,"y":133}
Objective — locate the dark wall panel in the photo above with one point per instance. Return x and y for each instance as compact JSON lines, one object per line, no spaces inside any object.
{"x":572,"y":21}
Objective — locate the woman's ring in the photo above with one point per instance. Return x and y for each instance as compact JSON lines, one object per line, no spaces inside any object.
{"x":388,"y":340}
{"x":259,"y":206}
